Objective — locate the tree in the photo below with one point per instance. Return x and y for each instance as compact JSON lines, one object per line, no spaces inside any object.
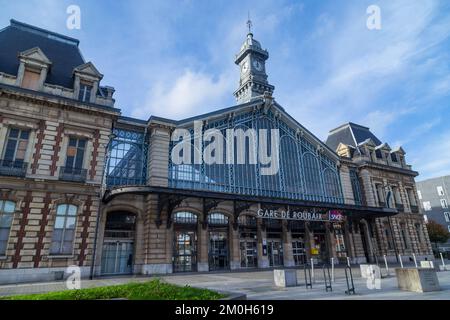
{"x":437,"y":233}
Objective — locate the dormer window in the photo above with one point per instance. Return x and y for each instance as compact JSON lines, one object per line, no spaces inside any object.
{"x":394,"y":157}
{"x":86,"y":85}
{"x":33,"y":69}
{"x":378,"y":154}
{"x":84,"y":94}
{"x":31,"y":79}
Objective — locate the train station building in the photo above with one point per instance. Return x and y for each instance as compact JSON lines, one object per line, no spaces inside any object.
{"x":81,"y":184}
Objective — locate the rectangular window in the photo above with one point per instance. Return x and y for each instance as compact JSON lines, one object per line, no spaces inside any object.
{"x":356,"y":188}
{"x":85,"y":92}
{"x":396,"y":195}
{"x":440,"y":190}
{"x":448,"y":227}
{"x":378,"y":154}
{"x":75,"y":153}
{"x":16,"y":145}
{"x":427,"y":205}
{"x":64,"y":230}
{"x":447,"y":216}
{"x":403,"y":234}
{"x":418,"y":232}
{"x":444,"y":204}
{"x":388,"y":235}
{"x":31,"y":80}
{"x":394,"y":157}
{"x":411,"y":197}
{"x":380,"y":194}
{"x":6,"y":217}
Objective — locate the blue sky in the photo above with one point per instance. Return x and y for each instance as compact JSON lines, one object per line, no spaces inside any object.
{"x":176,"y":59}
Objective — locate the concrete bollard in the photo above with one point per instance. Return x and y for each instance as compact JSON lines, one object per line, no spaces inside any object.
{"x":442,"y":259}
{"x":348,"y":261}
{"x":312,"y":271}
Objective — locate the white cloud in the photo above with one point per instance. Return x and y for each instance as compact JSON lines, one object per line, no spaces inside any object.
{"x":189,"y":94}
{"x":422,"y":130}
{"x":379,"y":120}
{"x":433,"y":160}
{"x":360,"y":66}
{"x":48,"y":14}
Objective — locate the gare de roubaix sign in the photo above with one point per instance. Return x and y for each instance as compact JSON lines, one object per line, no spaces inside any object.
{"x":303,"y":215}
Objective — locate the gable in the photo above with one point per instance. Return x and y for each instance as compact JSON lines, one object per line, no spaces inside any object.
{"x":263,"y":109}
{"x":88,"y":69}
{"x":35,"y":54}
{"x":204,"y":156}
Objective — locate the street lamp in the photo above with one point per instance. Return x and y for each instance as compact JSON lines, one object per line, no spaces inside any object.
{"x":111,"y":138}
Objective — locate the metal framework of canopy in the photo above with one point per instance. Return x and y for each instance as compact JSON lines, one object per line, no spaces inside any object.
{"x":169,"y":198}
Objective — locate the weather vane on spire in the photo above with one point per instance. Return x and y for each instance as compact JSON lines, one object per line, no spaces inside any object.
{"x":249,"y":23}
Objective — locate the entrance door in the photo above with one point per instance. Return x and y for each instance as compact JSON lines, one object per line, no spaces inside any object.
{"x":298,"y":250}
{"x":117,"y":257}
{"x":218,"y":250}
{"x":275,"y":252}
{"x":362,"y":229}
{"x":117,"y":254}
{"x":320,"y":245}
{"x":185,"y":251}
{"x":249,"y":253}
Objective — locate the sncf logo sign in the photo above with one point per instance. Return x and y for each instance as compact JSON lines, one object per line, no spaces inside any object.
{"x":336,"y":215}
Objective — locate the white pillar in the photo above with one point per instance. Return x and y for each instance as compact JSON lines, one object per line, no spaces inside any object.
{"x":386,"y":264}
{"x":332,"y":269}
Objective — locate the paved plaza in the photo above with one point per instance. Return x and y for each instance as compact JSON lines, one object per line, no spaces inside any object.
{"x":259,"y":285}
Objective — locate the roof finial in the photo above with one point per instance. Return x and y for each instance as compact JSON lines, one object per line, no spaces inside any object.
{"x":249,"y":23}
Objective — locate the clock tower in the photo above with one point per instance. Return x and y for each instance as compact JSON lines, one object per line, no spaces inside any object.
{"x":252,"y":62}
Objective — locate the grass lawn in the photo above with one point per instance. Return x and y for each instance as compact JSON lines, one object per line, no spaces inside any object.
{"x":150,"y":290}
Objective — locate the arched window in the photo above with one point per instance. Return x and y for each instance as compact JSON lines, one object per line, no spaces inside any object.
{"x":312,"y":174}
{"x":217,"y":219}
{"x":331,"y":182}
{"x":64,"y":230}
{"x":120,"y":224}
{"x":7,"y":209}
{"x":247,"y":221}
{"x":185,"y":218}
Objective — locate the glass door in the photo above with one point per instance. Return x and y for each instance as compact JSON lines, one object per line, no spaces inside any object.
{"x":298,"y":250}
{"x":275,"y":252}
{"x":117,"y":257}
{"x":218,"y":250}
{"x":249,"y":253}
{"x":185,"y":251}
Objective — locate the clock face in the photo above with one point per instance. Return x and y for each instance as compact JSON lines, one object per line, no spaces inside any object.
{"x":258,"y":65}
{"x":245,"y":67}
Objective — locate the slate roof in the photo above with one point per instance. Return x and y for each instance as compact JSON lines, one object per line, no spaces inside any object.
{"x":350,"y":134}
{"x":61,"y":50}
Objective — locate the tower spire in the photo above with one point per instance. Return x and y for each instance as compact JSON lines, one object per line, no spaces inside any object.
{"x":249,"y":23}
{"x":252,"y":61}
